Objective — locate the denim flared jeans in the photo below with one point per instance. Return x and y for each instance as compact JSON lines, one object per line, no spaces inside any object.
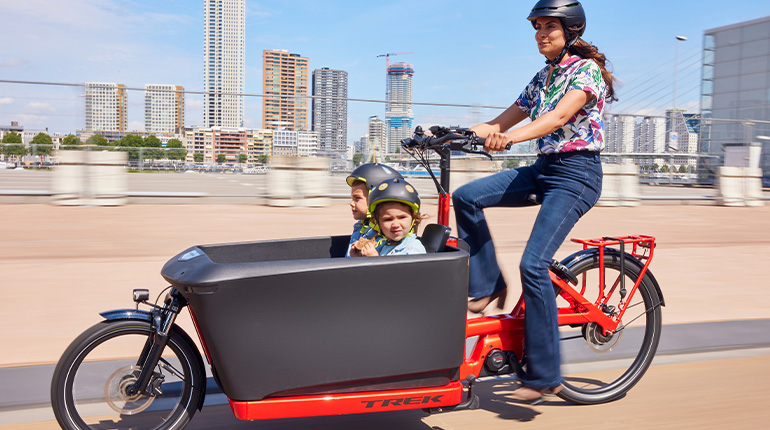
{"x":569,"y":185}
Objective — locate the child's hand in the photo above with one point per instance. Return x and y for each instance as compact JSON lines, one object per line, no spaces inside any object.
{"x":364,"y":247}
{"x":369,"y":250}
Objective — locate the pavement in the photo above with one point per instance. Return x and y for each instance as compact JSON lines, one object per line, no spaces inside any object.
{"x":61,"y":266}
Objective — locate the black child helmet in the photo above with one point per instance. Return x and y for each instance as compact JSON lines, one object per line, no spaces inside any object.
{"x":372,"y":174}
{"x":571,"y":15}
{"x":394,"y":190}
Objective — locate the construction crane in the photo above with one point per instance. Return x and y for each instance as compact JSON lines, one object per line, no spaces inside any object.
{"x":387,"y":57}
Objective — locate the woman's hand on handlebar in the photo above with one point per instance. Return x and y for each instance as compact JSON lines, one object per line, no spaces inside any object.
{"x":497,"y":141}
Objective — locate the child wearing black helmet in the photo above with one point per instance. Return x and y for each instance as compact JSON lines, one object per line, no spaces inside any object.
{"x":361,"y":180}
{"x":395,"y":209}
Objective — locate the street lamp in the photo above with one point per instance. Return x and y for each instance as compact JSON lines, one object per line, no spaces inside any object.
{"x":676,"y":65}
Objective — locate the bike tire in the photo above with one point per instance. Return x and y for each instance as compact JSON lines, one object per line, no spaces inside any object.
{"x":632,"y":361}
{"x":80,"y":375}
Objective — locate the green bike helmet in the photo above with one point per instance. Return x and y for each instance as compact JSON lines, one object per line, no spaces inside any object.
{"x":394,"y":190}
{"x":372,"y":174}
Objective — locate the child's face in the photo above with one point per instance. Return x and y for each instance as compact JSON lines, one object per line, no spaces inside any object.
{"x":359,"y":201}
{"x":395,"y":220}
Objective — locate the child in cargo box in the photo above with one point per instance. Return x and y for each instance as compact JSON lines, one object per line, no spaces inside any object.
{"x":395,"y":210}
{"x":361,"y":180}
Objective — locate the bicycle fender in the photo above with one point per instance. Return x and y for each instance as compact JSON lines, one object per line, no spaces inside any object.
{"x":594,"y":253}
{"x":140,"y":315}
{"x":127,"y":314}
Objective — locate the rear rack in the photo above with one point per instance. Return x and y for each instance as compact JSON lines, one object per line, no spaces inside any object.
{"x":642,"y":248}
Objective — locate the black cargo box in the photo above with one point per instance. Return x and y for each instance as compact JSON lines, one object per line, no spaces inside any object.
{"x":293,"y":317}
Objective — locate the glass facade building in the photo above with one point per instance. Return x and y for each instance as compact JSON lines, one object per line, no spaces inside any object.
{"x":398,"y":110}
{"x":735,"y":89}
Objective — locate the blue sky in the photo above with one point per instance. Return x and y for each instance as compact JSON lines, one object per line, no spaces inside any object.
{"x":473,"y":53}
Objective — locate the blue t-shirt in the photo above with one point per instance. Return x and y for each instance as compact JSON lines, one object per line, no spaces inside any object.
{"x":407,"y":245}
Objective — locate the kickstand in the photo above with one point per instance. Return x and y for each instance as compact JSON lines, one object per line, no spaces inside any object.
{"x":471,"y":401}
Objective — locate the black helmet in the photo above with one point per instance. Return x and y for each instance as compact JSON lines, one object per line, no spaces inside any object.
{"x":394,"y":190}
{"x":372,"y":174}
{"x":570,"y":12}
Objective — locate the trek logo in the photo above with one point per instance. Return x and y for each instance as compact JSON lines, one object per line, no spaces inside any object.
{"x":403,"y":401}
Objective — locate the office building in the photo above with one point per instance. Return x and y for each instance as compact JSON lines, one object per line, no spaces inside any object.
{"x":735,"y":88}
{"x":105,"y":106}
{"x":330,"y":111}
{"x":224,"y":23}
{"x":163,"y":108}
{"x":398,"y":110}
{"x":376,"y":141}
{"x":285,"y":78}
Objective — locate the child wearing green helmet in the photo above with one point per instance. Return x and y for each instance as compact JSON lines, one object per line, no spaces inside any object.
{"x":361,"y":180}
{"x":394,"y":206}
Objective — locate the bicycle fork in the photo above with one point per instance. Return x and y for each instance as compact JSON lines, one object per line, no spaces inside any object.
{"x":162,"y":321}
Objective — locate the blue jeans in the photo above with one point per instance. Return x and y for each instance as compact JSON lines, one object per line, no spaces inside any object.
{"x":569,"y":184}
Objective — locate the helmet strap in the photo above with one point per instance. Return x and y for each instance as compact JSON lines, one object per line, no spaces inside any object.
{"x":557,"y":60}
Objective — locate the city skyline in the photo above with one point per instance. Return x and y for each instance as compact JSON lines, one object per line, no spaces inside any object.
{"x":140,"y":41}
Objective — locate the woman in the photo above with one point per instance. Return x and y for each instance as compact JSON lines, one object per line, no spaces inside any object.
{"x":565,"y":101}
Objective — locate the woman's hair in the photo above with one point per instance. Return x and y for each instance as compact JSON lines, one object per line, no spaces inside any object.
{"x":585,"y":49}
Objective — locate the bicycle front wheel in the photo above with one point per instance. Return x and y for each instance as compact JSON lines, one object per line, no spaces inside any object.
{"x":88,"y":390}
{"x":599,"y":368}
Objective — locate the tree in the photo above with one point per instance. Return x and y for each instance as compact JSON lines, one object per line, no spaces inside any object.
{"x":198,"y":157}
{"x":263,"y":159}
{"x":664,"y":169}
{"x":42,"y":144}
{"x":177,"y":151}
{"x":12,"y":137}
{"x":97,"y":140}
{"x":14,"y":149}
{"x":242,"y":158}
{"x":221,"y":158}
{"x":71,"y":142}
{"x":682,"y":169}
{"x":357,"y":158}
{"x":655,"y":167}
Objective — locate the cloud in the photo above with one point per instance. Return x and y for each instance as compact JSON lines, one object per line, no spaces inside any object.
{"x":6,"y":101}
{"x":37,"y":108}
{"x":16,"y":62}
{"x":486,"y":46}
{"x":135,"y":126}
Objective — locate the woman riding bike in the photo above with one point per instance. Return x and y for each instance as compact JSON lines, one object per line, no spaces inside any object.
{"x":565,"y":101}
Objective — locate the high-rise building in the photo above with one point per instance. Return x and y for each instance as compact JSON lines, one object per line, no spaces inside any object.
{"x":284,"y":76}
{"x":105,"y":106}
{"x":377,"y":140}
{"x":619,"y":135}
{"x":398,"y":110}
{"x":330,"y":111}
{"x":224,"y":23}
{"x":163,"y":108}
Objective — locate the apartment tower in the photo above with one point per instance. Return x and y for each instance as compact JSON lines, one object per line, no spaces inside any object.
{"x":105,"y":107}
{"x":330,"y":111}
{"x":163,"y":108}
{"x":224,"y":26}
{"x":398,"y":110}
{"x":284,"y":76}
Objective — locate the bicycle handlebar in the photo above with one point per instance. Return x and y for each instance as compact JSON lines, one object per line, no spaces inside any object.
{"x":454,"y":139}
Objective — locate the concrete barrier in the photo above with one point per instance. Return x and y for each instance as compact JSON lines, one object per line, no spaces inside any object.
{"x":739,"y":186}
{"x":298,"y":182}
{"x":620,"y":186}
{"x":465,"y":171}
{"x":90,"y":178}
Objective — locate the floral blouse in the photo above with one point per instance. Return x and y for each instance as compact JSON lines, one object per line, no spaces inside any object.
{"x":584,"y":131}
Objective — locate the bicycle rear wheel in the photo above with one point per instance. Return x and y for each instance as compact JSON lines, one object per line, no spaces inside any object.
{"x":599,"y":368}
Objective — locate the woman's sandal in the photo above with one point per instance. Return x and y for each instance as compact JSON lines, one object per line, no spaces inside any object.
{"x":533,"y":395}
{"x":478,"y":305}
